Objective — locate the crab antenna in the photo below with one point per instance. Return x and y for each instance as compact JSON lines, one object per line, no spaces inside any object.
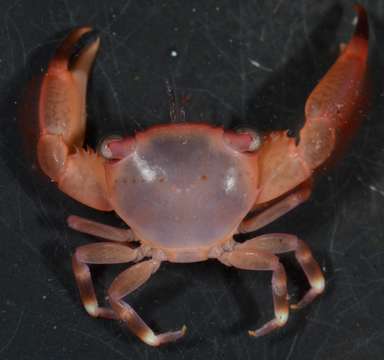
{"x":176,"y":112}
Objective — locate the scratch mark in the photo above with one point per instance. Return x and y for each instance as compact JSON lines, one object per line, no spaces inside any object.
{"x":324,"y":323}
{"x":208,"y":36}
{"x":72,"y":20}
{"x":21,"y":237}
{"x":287,"y":46}
{"x":375,"y":189}
{"x":20,"y":38}
{"x":307,"y":33}
{"x":87,"y":335}
{"x":277,"y":7}
{"x":243,"y":75}
{"x":292,"y":347}
{"x":145,"y":22}
{"x":210,"y":93}
{"x":333,"y":234}
{"x":112,"y":52}
{"x":116,"y":17}
{"x":114,"y":95}
{"x":358,"y":301}
{"x":18,"y":205}
{"x":13,"y":336}
{"x":259,"y":66}
{"x":363,"y":343}
{"x":325,"y":340}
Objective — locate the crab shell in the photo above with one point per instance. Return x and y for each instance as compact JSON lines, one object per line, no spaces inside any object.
{"x":183,"y":189}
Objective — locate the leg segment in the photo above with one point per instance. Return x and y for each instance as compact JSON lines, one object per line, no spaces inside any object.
{"x":124,"y":284}
{"x":100,"y":230}
{"x":283,"y":243}
{"x":258,"y":260}
{"x":276,"y":210}
{"x":100,"y":253}
{"x":62,"y":115}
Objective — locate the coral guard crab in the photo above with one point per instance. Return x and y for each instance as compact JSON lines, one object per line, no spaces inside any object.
{"x":185,"y":190}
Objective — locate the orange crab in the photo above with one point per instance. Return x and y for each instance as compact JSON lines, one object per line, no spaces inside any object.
{"x":185,"y":190}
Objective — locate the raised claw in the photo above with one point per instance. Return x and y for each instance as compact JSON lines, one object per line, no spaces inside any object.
{"x":332,"y":111}
{"x":62,"y":117}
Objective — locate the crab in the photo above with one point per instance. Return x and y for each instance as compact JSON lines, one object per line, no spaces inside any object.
{"x":186,"y":189}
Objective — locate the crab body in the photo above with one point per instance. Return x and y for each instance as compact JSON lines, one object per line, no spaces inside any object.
{"x":183,"y":189}
{"x":186,"y":189}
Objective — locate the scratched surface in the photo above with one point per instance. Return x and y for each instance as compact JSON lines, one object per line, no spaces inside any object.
{"x":236,"y":63}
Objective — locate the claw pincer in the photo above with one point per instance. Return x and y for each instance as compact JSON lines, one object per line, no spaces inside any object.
{"x":78,"y":172}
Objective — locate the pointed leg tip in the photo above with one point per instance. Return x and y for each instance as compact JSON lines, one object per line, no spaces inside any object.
{"x":183,"y":330}
{"x":162,"y":339}
{"x":259,"y":332}
{"x":72,"y":221}
{"x":175,"y":336}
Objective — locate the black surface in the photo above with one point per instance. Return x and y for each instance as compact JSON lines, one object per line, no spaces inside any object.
{"x":216,"y":43}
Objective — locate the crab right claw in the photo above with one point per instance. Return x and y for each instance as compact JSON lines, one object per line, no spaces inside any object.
{"x":78,"y":172}
{"x":332,"y":109}
{"x":332,"y":112}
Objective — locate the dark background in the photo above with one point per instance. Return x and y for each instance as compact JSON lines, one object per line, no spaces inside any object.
{"x":237,"y":63}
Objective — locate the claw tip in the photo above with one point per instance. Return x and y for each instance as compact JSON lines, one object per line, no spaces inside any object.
{"x":362,"y":28}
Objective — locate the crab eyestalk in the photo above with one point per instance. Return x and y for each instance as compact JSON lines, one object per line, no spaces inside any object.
{"x":243,"y":140}
{"x":117,"y":149}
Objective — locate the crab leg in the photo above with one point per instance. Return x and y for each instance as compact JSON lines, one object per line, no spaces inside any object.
{"x":78,"y":172}
{"x":249,"y":259}
{"x":283,"y":243}
{"x":276,"y":210}
{"x":100,"y":230}
{"x":100,"y":253}
{"x":332,"y":112}
{"x":124,"y":284}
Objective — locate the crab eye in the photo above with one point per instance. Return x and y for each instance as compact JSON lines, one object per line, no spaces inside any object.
{"x":255,"y":138}
{"x":243,"y":140}
{"x":116,"y":147}
{"x":103,"y":148}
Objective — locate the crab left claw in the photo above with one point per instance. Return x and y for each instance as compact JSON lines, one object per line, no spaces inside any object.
{"x":78,"y":172}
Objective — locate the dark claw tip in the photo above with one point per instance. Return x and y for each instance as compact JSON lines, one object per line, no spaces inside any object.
{"x":362,"y":28}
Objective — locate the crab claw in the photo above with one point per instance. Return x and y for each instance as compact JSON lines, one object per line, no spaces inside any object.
{"x":332,"y":108}
{"x":78,"y":172}
{"x":332,"y":112}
